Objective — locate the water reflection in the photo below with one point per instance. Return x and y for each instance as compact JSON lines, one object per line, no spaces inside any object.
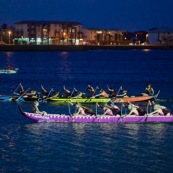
{"x":146,"y":50}
{"x":63,"y":54}
{"x":9,"y":54}
{"x":64,"y":67}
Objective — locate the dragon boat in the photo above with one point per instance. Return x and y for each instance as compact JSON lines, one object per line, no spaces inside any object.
{"x":96,"y":118}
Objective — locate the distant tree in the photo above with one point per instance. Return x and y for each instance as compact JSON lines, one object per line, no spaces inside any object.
{"x":4,"y":26}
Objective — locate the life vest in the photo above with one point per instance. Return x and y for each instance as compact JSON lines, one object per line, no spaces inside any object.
{"x":104,"y":94}
{"x":108,"y":112}
{"x":81,"y":111}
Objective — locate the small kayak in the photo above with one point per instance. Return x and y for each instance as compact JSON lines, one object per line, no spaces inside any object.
{"x":9,"y":71}
{"x":4,"y":71}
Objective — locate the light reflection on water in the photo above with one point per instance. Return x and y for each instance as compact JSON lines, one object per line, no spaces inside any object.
{"x":79,"y":142}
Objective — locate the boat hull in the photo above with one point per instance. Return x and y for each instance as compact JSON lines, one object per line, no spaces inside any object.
{"x":103,"y":100}
{"x":97,"y":119}
{"x":133,"y":99}
{"x":81,"y":100}
{"x":3,"y":71}
{"x":5,"y":98}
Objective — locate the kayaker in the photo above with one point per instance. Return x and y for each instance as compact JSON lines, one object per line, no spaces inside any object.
{"x":160,"y":110}
{"x":112,"y":93}
{"x":36,"y":110}
{"x":9,"y":67}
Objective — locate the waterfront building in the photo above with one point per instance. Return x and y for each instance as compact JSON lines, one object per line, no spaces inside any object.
{"x":140,"y":38}
{"x":160,"y":36}
{"x":6,"y":34}
{"x":104,"y":36}
{"x":48,"y":32}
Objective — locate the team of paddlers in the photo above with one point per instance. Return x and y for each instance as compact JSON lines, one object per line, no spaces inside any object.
{"x":90,"y":92}
{"x":110,"y":109}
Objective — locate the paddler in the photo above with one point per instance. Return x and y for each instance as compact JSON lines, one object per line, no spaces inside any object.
{"x":124,"y":93}
{"x":112,"y":93}
{"x":9,"y":67}
{"x":160,"y":110}
{"x":149,"y":90}
{"x":115,"y":109}
{"x":80,"y":112}
{"x":67,"y":92}
{"x":21,"y":91}
{"x":102,"y":94}
{"x":136,"y":110}
{"x":107,"y":111}
{"x":133,"y":109}
{"x":44,"y":92}
{"x":33,"y":94}
{"x":91,"y":90}
{"x":79,"y":94}
{"x":36,"y":110}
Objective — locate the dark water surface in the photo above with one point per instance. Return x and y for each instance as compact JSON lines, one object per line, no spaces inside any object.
{"x":26,"y":146}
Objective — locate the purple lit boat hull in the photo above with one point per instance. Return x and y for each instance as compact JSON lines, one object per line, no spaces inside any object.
{"x":97,"y":119}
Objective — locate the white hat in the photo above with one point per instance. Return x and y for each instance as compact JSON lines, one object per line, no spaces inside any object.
{"x":36,"y":103}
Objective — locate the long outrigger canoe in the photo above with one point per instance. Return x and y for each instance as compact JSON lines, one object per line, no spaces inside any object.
{"x":95,"y":119}
{"x":81,"y":100}
{"x":103,"y":100}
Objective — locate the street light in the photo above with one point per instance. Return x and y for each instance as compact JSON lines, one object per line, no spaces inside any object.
{"x":9,"y":33}
{"x":146,"y":38}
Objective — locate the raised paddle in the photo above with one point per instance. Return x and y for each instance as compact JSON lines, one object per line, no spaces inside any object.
{"x":22,"y":95}
{"x":119,"y":90}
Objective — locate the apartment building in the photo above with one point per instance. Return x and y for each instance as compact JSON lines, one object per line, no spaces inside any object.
{"x":48,"y":32}
{"x":103,"y":36}
{"x":160,"y":36}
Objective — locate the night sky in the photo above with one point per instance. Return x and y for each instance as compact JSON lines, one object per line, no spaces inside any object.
{"x":113,"y":14}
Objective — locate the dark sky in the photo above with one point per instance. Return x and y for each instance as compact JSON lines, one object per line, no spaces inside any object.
{"x":116,"y":14}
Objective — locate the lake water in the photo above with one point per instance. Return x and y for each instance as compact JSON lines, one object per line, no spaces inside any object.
{"x":71,"y":147}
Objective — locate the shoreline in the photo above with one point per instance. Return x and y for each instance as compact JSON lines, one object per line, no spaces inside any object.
{"x":13,"y":48}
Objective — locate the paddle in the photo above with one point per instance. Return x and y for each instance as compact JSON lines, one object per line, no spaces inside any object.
{"x":16,"y":89}
{"x":22,"y":94}
{"x":147,"y":110}
{"x":48,"y":95}
{"x":119,"y":90}
{"x":69,"y":109}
